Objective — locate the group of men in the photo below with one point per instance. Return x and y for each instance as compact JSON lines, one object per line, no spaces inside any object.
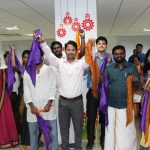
{"x":66,"y":80}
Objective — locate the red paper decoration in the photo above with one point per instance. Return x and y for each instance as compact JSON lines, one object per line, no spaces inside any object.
{"x":87,"y":24}
{"x":61,"y":32}
{"x":67,"y":19}
{"x":75,"y":25}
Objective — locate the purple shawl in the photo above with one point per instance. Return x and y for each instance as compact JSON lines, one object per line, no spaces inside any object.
{"x":144,"y":110}
{"x":46,"y":129}
{"x":103,"y":91}
{"x":11,"y":73}
{"x":34,"y":58}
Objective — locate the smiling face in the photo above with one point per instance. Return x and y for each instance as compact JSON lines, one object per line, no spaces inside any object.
{"x":101,"y":46}
{"x":119,"y":55}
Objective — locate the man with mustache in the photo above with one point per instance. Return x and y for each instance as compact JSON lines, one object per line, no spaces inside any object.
{"x":120,"y":134}
{"x":71,"y":71}
{"x":57,"y":50}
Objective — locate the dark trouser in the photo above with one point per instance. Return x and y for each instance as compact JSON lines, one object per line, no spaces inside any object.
{"x":15,"y":101}
{"x":92,"y":107}
{"x":67,"y":110}
{"x":25,"y":135}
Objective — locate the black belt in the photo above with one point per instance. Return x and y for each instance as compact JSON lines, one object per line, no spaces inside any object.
{"x":71,"y":99}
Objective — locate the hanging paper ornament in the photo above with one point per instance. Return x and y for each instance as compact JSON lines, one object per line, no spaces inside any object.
{"x":67,"y":19}
{"x":87,"y":24}
{"x":61,"y":32}
{"x":75,"y":25}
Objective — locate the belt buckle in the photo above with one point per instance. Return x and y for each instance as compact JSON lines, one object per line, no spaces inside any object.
{"x":68,"y":99}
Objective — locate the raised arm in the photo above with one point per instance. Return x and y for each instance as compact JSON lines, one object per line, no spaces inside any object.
{"x":13,"y":61}
{"x":82,"y":47}
{"x":13,"y":58}
{"x":53,"y":60}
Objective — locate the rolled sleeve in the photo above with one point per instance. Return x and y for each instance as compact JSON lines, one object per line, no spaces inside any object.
{"x":53,"y":60}
{"x":52,"y":93}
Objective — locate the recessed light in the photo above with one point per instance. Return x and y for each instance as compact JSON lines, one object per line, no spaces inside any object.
{"x":29,"y":34}
{"x":11,"y":28}
{"x":146,"y":30}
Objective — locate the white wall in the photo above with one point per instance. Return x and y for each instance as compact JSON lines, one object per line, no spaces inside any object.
{"x":19,"y":45}
{"x":129,"y":42}
{"x":1,"y":53}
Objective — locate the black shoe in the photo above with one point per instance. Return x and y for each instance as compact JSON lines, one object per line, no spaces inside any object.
{"x":102,"y":146}
{"x":71,"y":146}
{"x":89,"y":146}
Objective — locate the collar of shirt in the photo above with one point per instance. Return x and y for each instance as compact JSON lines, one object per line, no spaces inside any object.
{"x":97,"y":57}
{"x":125,"y":64}
{"x":65,"y":61}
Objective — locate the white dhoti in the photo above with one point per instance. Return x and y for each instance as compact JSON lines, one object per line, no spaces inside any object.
{"x":118,"y":136}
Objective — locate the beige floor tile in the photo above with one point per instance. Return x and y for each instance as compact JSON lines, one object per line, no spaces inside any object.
{"x":96,"y":146}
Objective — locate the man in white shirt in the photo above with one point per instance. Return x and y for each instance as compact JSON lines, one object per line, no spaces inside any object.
{"x":41,"y":97}
{"x":71,"y":73}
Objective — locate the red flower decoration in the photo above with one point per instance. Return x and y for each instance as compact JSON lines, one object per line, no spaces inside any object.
{"x":61,"y":32}
{"x":75,"y":25}
{"x":87,"y":24}
{"x":67,"y":19}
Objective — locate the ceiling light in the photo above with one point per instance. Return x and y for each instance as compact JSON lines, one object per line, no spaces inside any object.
{"x":29,"y":34}
{"x":11,"y":28}
{"x":146,"y":30}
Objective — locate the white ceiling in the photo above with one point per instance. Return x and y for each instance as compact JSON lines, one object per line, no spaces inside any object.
{"x":115,"y":17}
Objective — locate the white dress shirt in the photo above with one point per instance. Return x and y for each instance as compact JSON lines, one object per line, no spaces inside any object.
{"x":43,"y":91}
{"x":70,"y":74}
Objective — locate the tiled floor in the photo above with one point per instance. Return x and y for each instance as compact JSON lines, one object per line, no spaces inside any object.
{"x":96,"y":146}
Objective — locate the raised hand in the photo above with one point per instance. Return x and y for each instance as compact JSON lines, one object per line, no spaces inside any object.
{"x":81,"y":33}
{"x":93,"y":41}
{"x":11,"y":46}
{"x":39,"y":38}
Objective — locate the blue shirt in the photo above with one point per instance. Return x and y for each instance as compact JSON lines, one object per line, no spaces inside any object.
{"x":141,"y":56}
{"x":100,"y":62}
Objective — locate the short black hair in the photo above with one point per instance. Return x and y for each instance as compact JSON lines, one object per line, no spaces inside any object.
{"x":54,"y":43}
{"x":73,"y":43}
{"x":139,"y":44}
{"x":101,"y":38}
{"x":118,"y":47}
{"x":25,"y":52}
{"x":6,"y":53}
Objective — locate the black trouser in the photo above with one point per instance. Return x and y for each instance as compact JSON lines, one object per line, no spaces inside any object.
{"x":25,"y":135}
{"x":15,"y":102}
{"x":68,"y":110}
{"x":92,"y":108}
